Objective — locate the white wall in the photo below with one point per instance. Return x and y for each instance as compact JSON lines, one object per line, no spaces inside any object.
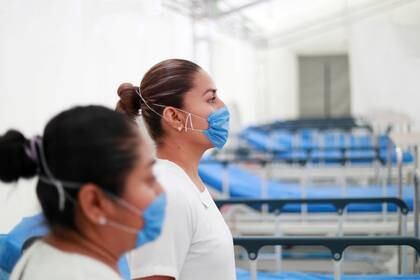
{"x":234,"y":70}
{"x":384,"y":53}
{"x":278,"y":89}
{"x":385,"y":62}
{"x":277,"y":85}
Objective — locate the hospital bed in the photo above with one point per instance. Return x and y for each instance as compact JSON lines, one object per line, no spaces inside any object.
{"x":278,"y":206}
{"x":336,"y":245}
{"x":330,"y":147}
{"x":234,"y":181}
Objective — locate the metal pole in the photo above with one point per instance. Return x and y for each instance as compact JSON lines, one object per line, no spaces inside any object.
{"x":416,"y":214}
{"x":340,"y":233}
{"x":389,"y":163}
{"x":253,"y":269}
{"x":337,"y":270}
{"x":278,"y":249}
{"x":264,"y":187}
{"x":384,"y":205}
{"x":416,"y":201}
{"x":404,"y":261}
{"x":304,"y":207}
{"x":400,"y":248}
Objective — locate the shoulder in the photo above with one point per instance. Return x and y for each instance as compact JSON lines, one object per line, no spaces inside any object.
{"x":167,"y":171}
{"x":175,"y":183}
{"x":40,"y":257}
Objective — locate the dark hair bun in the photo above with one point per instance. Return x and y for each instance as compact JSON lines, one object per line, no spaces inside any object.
{"x":14,"y":163}
{"x":130,"y":101}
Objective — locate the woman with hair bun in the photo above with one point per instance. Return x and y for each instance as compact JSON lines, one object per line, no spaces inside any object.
{"x":96,"y":189}
{"x":184,"y":115}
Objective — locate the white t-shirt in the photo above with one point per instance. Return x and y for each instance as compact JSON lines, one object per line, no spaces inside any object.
{"x":195,"y":242}
{"x":44,"y":262}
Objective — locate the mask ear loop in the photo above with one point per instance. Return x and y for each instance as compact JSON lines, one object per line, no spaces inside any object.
{"x":128,"y":206}
{"x":147,"y":105}
{"x":59,"y":185}
{"x":189,"y":115}
{"x":124,"y":204}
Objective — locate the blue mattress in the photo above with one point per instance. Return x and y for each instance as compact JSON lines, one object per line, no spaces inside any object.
{"x":358,"y":149}
{"x":244,"y":184}
{"x":245,"y":275}
{"x":360,"y":156}
{"x":326,"y":156}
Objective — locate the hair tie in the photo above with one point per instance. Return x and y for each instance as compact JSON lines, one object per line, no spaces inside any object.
{"x":31,"y":149}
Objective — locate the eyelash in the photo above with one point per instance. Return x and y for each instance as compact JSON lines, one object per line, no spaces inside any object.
{"x":212,"y":99}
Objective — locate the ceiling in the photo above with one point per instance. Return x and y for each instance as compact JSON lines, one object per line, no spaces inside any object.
{"x":279,"y":22}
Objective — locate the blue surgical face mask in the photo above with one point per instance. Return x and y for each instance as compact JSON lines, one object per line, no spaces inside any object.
{"x":153,"y":217}
{"x":218,"y":131}
{"x":218,"y":124}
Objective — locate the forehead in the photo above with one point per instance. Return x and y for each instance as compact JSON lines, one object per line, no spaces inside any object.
{"x":202,"y":81}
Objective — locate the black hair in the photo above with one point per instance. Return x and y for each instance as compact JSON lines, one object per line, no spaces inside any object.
{"x":90,"y":144}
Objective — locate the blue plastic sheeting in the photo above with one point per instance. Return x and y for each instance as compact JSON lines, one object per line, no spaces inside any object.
{"x":11,"y":244}
{"x":4,"y":275}
{"x":407,"y":157}
{"x":244,"y":184}
{"x":335,"y":140}
{"x":326,"y":156}
{"x":262,"y":142}
{"x":360,"y":156}
{"x":245,"y":275}
{"x":383,"y":141}
{"x":296,"y":155}
{"x":361,"y":142}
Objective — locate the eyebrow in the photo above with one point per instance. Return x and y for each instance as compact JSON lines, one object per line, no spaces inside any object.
{"x":214,"y":90}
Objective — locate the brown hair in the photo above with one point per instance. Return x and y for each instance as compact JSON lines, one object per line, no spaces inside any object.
{"x":165,"y":84}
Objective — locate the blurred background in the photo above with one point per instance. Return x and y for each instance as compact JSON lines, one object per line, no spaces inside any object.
{"x":334,"y":67}
{"x":263,"y":55}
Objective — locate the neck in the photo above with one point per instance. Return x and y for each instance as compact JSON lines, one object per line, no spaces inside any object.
{"x":188,"y":158}
{"x":73,"y":241}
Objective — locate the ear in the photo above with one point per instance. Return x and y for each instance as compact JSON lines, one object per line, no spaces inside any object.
{"x":174,"y":118}
{"x":94,"y":204}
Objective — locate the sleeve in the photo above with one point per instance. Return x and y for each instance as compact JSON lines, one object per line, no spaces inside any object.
{"x":166,"y":255}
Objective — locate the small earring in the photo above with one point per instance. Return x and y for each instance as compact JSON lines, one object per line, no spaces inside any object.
{"x":102,"y":220}
{"x":179,"y":129}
